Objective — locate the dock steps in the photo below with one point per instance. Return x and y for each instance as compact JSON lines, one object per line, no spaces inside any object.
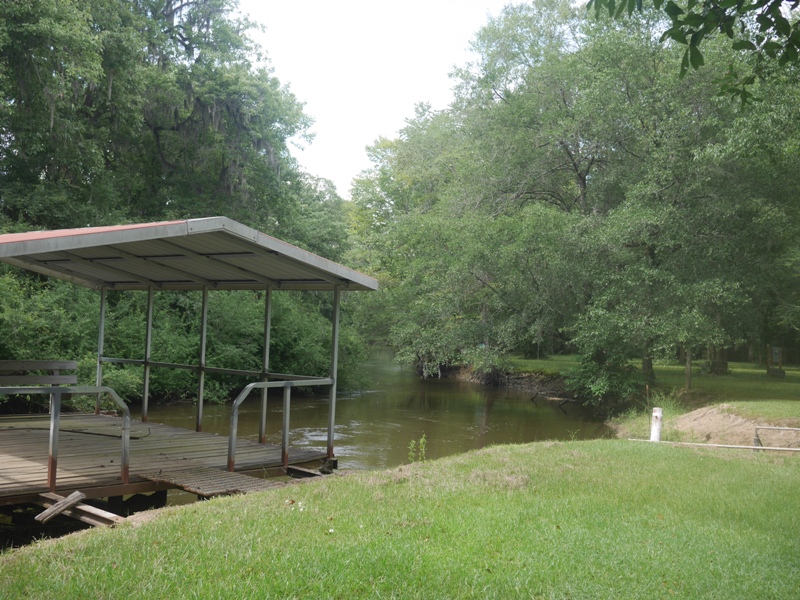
{"x":301,"y":473}
{"x":209,"y":482}
{"x":71,"y":506}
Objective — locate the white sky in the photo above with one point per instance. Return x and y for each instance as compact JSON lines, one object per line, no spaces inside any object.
{"x":360,"y":66}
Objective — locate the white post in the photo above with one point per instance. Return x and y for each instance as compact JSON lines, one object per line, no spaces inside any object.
{"x":655,"y":425}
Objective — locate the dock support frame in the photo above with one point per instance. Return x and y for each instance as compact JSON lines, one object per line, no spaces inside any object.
{"x":334,"y":368}
{"x":296,"y":381}
{"x":101,"y":339}
{"x":262,"y":424}
{"x":202,"y":360}
{"x":148,"y":338}
{"x":52,"y":452}
{"x":56,"y":394}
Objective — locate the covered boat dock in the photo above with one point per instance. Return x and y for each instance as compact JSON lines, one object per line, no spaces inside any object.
{"x":107,"y":456}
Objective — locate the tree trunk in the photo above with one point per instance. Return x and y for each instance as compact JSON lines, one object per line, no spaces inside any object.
{"x":647,"y":370}
{"x":688,"y":378}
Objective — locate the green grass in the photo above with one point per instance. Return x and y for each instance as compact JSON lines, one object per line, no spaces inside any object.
{"x":635,"y":422}
{"x":746,"y":382}
{"x":599,"y":519}
{"x":747,"y":391}
{"x":551,"y":364}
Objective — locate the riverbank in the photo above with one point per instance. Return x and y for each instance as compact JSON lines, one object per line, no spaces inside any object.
{"x":541,"y":384}
{"x":592,"y":519}
{"x":713,"y":424}
{"x":718,"y":410}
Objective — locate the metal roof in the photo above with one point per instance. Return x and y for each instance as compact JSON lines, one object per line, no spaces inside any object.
{"x":215,"y":252}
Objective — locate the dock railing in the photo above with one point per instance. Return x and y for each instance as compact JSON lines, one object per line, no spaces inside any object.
{"x":757,"y":438}
{"x":55,"y":393}
{"x":287,"y":385}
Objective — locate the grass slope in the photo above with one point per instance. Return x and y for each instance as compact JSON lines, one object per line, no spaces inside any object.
{"x":600,"y":519}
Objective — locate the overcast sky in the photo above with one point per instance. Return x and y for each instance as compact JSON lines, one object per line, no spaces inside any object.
{"x":360,"y":66}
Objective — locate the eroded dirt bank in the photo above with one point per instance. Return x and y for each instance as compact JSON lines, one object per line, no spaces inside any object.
{"x":717,"y":425}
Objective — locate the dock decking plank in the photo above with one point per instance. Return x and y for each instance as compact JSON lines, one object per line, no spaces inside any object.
{"x":90,"y":448}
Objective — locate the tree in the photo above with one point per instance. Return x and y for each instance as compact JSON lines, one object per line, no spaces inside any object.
{"x":138,"y":111}
{"x":762,"y":28}
{"x":579,"y":194}
{"x":115,"y":111}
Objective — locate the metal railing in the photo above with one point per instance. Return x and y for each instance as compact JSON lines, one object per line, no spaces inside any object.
{"x":207,"y":369}
{"x":287,"y":399}
{"x":757,"y":438}
{"x":55,"y":394}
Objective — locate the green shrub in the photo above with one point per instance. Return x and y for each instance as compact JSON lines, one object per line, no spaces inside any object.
{"x":608,"y":383}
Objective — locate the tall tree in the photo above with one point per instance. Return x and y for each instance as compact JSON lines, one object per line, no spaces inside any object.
{"x":577,"y":191}
{"x":116,"y":111}
{"x":139,"y":110}
{"x":767,"y":30}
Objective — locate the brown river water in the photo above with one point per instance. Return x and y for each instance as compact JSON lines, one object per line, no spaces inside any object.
{"x":375,"y":426}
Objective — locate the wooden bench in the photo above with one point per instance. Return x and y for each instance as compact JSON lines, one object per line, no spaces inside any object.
{"x":18,"y":372}
{"x":24,"y":377}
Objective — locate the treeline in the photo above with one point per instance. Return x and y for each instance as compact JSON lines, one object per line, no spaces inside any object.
{"x":578,"y":195}
{"x":119,"y":111}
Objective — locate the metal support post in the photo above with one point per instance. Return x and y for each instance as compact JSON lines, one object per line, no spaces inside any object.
{"x":202,"y":365}
{"x":287,"y":400}
{"x":52,"y":462}
{"x":101,"y":334}
{"x":334,"y":368}
{"x":148,"y":338}
{"x":262,"y":427}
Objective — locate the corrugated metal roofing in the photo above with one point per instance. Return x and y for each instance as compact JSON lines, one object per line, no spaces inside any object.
{"x":215,"y":252}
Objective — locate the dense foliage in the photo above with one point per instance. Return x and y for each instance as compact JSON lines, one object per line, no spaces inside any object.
{"x":139,"y":110}
{"x":578,"y":194}
{"x":115,"y":111}
{"x":768,"y":30}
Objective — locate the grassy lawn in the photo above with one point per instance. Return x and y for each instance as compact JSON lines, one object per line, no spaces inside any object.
{"x":747,"y":390}
{"x":599,"y":519}
{"x":551,"y":364}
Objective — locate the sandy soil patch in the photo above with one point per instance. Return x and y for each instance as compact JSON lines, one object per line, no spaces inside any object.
{"x":140,"y":518}
{"x":717,"y":425}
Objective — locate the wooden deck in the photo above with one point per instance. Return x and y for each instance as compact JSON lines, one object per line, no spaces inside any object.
{"x":89,"y":455}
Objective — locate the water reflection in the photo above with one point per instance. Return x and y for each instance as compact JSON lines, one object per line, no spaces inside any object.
{"x":374,"y":427}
